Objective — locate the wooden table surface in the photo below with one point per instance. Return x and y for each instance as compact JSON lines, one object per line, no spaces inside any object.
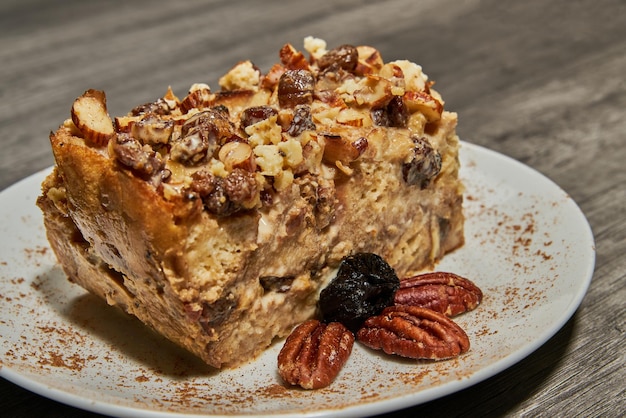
{"x":542,"y":82}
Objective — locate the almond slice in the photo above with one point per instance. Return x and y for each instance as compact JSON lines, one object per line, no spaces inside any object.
{"x":89,"y":114}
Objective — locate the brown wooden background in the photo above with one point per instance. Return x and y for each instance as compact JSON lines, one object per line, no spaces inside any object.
{"x":541,"y":81}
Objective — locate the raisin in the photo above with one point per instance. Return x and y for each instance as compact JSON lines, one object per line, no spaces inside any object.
{"x":256,"y":114}
{"x":365,"y":284}
{"x":425,"y":164}
{"x":301,"y":121}
{"x":380,"y":116}
{"x":295,"y":87}
{"x":394,"y":115}
{"x":202,"y":182}
{"x":398,"y":113}
{"x":345,"y":57}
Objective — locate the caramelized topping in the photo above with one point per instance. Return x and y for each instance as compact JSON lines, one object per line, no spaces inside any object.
{"x":238,"y":147}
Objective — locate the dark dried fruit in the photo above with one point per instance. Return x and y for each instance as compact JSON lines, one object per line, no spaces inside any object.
{"x":398,"y":113}
{"x":395,"y":114}
{"x":224,"y":196}
{"x":425,"y":164}
{"x":301,"y":121}
{"x":295,"y":87}
{"x":202,"y":182}
{"x":256,"y":114}
{"x":344,"y":57}
{"x":364,"y":286}
{"x":217,"y":201}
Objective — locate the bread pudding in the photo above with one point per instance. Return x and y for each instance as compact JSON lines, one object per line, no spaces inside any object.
{"x":217,"y":218}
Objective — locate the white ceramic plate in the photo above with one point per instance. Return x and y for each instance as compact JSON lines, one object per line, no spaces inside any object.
{"x":528,"y":246}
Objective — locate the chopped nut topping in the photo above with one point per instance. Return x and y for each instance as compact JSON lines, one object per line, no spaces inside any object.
{"x":306,"y":118}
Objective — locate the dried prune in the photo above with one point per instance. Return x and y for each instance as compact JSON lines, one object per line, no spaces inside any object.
{"x":364,"y":286}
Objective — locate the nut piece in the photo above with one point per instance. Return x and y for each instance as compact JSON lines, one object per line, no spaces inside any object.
{"x":89,"y":114}
{"x":444,"y":292}
{"x":338,"y":148}
{"x":293,"y":59}
{"x":370,"y":61}
{"x":414,"y":332}
{"x":420,"y":101}
{"x":236,"y":154}
{"x":199,"y":97}
{"x":314,"y":354}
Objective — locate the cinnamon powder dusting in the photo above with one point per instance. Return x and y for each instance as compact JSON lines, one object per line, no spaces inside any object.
{"x":70,"y":333}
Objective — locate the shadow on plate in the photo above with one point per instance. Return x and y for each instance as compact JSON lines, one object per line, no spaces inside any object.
{"x":110,"y":326}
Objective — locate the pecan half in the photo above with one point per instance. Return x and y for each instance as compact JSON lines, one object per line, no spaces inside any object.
{"x":414,"y":332}
{"x":444,"y":292}
{"x":314,"y":354}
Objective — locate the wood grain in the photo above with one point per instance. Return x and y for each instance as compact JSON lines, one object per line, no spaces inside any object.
{"x":542,"y":82}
